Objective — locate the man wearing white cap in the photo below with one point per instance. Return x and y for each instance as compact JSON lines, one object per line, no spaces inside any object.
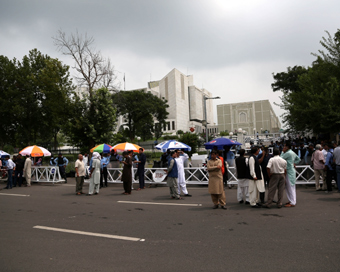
{"x":94,"y":174}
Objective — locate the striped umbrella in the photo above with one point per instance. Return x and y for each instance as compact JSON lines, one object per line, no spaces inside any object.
{"x":35,"y":151}
{"x":126,"y":146}
{"x":102,"y":148}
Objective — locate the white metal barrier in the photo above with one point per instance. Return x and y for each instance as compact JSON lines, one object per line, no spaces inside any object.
{"x":46,"y":174}
{"x":199,"y":175}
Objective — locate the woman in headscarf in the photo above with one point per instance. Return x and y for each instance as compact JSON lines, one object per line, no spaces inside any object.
{"x":94,"y":174}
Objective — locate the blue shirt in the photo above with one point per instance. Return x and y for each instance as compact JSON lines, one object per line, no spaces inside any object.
{"x":104,"y":162}
{"x":65,"y":160}
{"x":329,"y":159}
{"x":90,"y":168}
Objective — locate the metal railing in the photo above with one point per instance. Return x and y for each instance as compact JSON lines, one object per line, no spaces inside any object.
{"x":46,"y":174}
{"x":199,"y":175}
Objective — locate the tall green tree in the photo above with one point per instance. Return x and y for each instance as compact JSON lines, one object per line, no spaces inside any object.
{"x":87,"y":128}
{"x":36,"y":98}
{"x":139,"y":109}
{"x":311,"y":95}
{"x":7,"y":98}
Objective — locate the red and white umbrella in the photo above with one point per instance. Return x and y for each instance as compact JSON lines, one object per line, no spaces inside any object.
{"x":35,"y":151}
{"x":126,"y":146}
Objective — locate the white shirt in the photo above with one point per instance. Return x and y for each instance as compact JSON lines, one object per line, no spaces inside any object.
{"x":252,"y":167}
{"x":277,"y":165}
{"x":324,"y":152}
{"x":85,"y":160}
{"x":81,"y":167}
{"x":10,"y":164}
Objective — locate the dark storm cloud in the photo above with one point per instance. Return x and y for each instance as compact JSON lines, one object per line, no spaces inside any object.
{"x":231,"y":46}
{"x":207,"y":34}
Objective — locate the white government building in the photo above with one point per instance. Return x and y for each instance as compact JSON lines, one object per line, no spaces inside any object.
{"x":253,"y":117}
{"x":185,"y":100}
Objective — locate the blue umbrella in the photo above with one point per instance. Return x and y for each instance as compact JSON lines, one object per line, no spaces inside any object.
{"x":172,"y":145}
{"x":220,"y":142}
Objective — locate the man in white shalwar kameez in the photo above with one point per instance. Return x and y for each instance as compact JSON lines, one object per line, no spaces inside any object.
{"x":94,"y":175}
{"x":292,"y":159}
{"x":28,"y":170}
{"x":181,"y":158}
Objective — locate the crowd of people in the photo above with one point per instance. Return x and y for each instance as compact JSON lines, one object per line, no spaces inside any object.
{"x":254,"y":171}
{"x":277,"y":171}
{"x":98,"y":173}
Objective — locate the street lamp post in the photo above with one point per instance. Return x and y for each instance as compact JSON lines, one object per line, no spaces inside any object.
{"x":205,"y":122}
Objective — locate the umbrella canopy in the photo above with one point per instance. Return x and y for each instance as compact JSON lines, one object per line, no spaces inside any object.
{"x":3,"y":154}
{"x":35,"y":151}
{"x":220,"y":142}
{"x":126,"y":146}
{"x":102,"y":148}
{"x":172,"y":145}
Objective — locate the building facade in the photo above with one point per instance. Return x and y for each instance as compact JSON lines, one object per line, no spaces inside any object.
{"x":185,"y":100}
{"x":253,"y":117}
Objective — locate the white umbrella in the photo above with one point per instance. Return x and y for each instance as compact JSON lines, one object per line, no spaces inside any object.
{"x":3,"y":153}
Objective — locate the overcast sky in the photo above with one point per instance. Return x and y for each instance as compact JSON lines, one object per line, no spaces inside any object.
{"x":232,"y":47}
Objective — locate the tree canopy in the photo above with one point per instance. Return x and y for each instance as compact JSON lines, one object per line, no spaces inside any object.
{"x":89,"y":126}
{"x":139,"y":110}
{"x":34,"y":98}
{"x":311,"y":95}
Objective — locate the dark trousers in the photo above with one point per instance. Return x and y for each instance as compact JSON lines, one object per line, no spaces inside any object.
{"x":277,"y":181}
{"x":141,"y":177}
{"x":127,"y":186}
{"x":16,"y":174}
{"x":330,"y":175}
{"x":338,"y":177}
{"x":63,"y":172}
{"x":10,"y":179}
{"x":103,"y":174}
{"x":79,"y":184}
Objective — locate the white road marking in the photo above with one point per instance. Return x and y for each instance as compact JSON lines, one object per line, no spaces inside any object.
{"x":13,"y":194}
{"x":92,"y":234}
{"x":155,"y":203}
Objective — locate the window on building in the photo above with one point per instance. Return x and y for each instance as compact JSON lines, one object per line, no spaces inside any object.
{"x":242,"y":117}
{"x":164,"y":127}
{"x":173,"y":125}
{"x":168,"y":123}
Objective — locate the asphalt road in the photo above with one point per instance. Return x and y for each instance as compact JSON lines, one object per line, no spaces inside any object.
{"x":176,"y":238}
